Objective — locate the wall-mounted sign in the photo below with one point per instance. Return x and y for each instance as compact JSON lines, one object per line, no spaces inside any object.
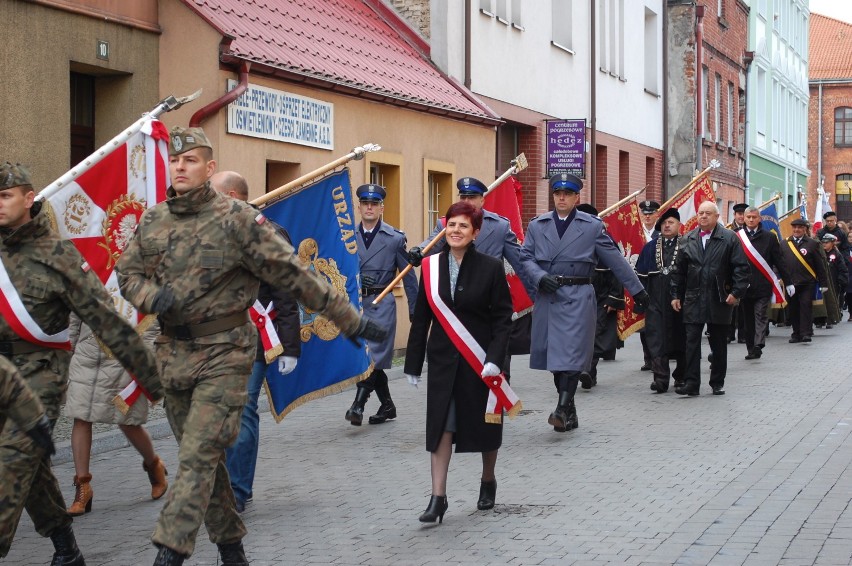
{"x":102,"y":50}
{"x":281,"y":116}
{"x":566,"y":147}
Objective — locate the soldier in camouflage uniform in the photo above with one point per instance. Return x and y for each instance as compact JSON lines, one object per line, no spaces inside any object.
{"x":47,"y":275}
{"x":22,"y":407}
{"x":196,"y":260}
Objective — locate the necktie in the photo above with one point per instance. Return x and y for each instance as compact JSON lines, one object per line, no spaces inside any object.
{"x":705,"y":233}
{"x":669,"y":243}
{"x":751,"y":233}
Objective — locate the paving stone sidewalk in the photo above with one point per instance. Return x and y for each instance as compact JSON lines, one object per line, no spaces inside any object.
{"x":759,"y":476}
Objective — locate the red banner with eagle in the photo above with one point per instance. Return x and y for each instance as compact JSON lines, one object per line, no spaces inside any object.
{"x":625,"y":228}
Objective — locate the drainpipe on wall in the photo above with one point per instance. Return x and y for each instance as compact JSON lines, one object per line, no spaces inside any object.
{"x":203,"y":114}
{"x":467,"y":26}
{"x":593,"y":125}
{"x":819,"y":137}
{"x":748,"y":57}
{"x":699,"y":86}
{"x":664,"y":166}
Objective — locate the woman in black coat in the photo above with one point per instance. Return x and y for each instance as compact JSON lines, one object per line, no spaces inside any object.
{"x":456,"y":395}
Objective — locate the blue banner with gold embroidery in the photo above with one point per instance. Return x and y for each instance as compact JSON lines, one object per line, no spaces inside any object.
{"x":769,"y":220}
{"x":321,"y":223}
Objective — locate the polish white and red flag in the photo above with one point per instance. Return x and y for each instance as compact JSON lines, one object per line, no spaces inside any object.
{"x":822,"y":206}
{"x":689,"y":199}
{"x":505,"y":200}
{"x":100,"y":209}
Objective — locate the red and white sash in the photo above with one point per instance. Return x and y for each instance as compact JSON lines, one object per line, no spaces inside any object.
{"x":760,"y":263}
{"x":13,"y":310}
{"x":500,"y":397}
{"x":262,"y":318}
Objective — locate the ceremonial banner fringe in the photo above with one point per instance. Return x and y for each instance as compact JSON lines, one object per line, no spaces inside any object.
{"x":321,"y":223}
{"x":625,"y":228}
{"x":505,"y":200}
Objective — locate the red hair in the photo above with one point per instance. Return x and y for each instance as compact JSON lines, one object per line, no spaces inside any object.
{"x":464,"y":208}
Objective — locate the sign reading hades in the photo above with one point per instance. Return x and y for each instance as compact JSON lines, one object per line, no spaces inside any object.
{"x":566,"y":147}
{"x":281,"y":116}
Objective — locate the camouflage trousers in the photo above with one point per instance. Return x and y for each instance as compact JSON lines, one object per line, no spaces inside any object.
{"x":26,"y":479}
{"x":205,"y":420}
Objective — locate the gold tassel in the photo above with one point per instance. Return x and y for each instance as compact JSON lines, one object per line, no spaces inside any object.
{"x":515,"y":410}
{"x":273,"y":353}
{"x":121,"y":405}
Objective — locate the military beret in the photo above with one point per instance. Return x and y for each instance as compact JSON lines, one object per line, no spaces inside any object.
{"x":371,"y":193}
{"x":471,"y":186}
{"x":14,"y":176}
{"x":182,"y":140}
{"x":565,"y":182}
{"x":649,"y":206}
{"x":829,"y":213}
{"x":828,"y":238}
{"x":799,"y":222}
{"x":740,"y":207}
{"x":587,"y":208}
{"x":670,"y":213}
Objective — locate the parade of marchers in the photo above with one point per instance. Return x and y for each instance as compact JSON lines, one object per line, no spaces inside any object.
{"x":224,"y":287}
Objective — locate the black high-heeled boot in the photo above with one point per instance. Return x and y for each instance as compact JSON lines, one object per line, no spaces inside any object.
{"x":487,"y":495}
{"x":435,"y":511}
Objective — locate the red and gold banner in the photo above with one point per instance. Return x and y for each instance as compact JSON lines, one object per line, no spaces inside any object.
{"x":625,"y":228}
{"x":688,"y":202}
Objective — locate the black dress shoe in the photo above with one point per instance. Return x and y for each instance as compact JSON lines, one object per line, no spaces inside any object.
{"x":806,"y":339}
{"x":659,"y":387}
{"x":741,"y":341}
{"x":586,"y":380}
{"x":645,"y":367}
{"x":794,"y":340}
{"x":752,"y":355}
{"x":436,"y":509}
{"x":718,"y":391}
{"x":239,"y":505}
{"x":829,"y":326}
{"x":487,"y":495}
{"x":691,"y":391}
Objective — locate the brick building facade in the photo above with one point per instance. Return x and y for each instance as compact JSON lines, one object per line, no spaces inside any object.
{"x":830,"y":113}
{"x":706,"y":106}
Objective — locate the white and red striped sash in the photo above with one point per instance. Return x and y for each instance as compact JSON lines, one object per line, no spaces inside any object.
{"x":262,"y":318}
{"x":22,"y":323}
{"x":501,"y":397}
{"x":760,"y":263}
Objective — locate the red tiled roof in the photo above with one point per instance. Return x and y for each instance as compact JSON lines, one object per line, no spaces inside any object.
{"x":344,"y":44}
{"x":830,"y":48}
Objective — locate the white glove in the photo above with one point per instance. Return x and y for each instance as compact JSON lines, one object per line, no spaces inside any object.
{"x":823,"y":289}
{"x":791,"y":290}
{"x":286,"y":364}
{"x":413,"y":379}
{"x":490,"y":370}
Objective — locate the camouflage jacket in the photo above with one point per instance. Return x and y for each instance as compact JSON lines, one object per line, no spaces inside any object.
{"x":48,"y":275}
{"x":212,"y":251}
{"x":17,"y":400}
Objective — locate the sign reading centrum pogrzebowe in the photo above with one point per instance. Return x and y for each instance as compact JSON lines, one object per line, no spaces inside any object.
{"x":566,"y":147}
{"x":272,"y":114}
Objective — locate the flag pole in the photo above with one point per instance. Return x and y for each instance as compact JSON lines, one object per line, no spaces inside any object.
{"x":166,"y":105}
{"x":714,"y":164}
{"x":770,"y":201}
{"x":518,"y":164}
{"x":282,"y":191}
{"x":789,"y":212}
{"x":621,"y":202}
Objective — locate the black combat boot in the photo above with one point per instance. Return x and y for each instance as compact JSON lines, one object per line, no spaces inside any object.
{"x":559,"y":417}
{"x":571,"y":423}
{"x":387,"y":410}
{"x":168,"y":557}
{"x":67,"y":553}
{"x":233,"y":554}
{"x":355,"y":414}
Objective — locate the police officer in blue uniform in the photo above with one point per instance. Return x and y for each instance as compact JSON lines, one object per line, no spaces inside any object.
{"x":496,"y":239}
{"x":382,"y":251}
{"x":560,"y":252}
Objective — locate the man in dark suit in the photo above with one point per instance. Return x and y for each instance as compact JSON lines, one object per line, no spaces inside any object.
{"x":804,"y":267}
{"x":560,"y":252}
{"x":764,"y":254}
{"x":711,"y":276}
{"x":649,"y":213}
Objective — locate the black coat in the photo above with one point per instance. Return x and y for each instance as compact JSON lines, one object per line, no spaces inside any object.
{"x":664,"y":333}
{"x":838,"y":269}
{"x":704,"y":277}
{"x":811,"y":252}
{"x":484,"y":306}
{"x":766,"y":243}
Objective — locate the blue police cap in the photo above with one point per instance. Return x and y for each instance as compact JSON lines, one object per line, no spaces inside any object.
{"x":371,"y":193}
{"x":565,"y":182}
{"x":470,"y":186}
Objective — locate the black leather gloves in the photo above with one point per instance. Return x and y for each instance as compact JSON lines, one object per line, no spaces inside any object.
{"x":163,"y":300}
{"x":641,"y":301}
{"x":41,"y":435}
{"x":415,"y":256}
{"x":368,"y":330}
{"x":548,"y":284}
